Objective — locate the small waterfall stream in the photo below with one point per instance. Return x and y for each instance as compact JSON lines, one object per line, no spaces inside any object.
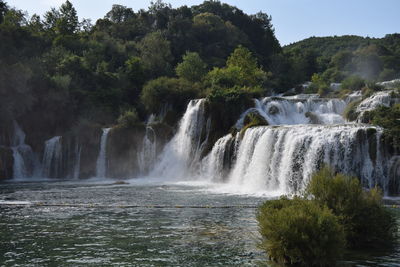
{"x":77,"y":163}
{"x":101,"y":164}
{"x":148,"y":153}
{"x":24,"y":163}
{"x":52,"y":158}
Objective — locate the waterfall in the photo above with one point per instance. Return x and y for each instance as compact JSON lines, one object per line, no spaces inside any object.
{"x":77,"y":163}
{"x":214,"y":165}
{"x":185,"y":146}
{"x":52,"y":158}
{"x":282,"y":159}
{"x":24,"y":159}
{"x":147,"y":155}
{"x":101,"y":165}
{"x":303,"y":109}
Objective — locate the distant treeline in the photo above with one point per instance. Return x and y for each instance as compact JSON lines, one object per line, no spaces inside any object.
{"x":57,"y":71}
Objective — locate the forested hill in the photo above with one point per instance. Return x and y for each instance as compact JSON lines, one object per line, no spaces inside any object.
{"x":338,"y":57}
{"x":58,"y":70}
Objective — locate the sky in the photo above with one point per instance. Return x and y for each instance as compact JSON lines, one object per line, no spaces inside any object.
{"x":293,"y":20}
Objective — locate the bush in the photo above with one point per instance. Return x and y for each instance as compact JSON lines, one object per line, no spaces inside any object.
{"x":366,"y":222}
{"x":252,"y":120}
{"x":388,"y":118}
{"x":353,"y":83}
{"x":300,"y":232}
{"x":350,"y":111}
{"x":128,"y":119}
{"x":334,"y":212}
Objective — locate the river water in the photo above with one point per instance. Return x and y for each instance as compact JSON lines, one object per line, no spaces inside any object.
{"x":143,"y":223}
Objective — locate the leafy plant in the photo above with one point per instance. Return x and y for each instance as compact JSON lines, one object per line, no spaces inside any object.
{"x":300,"y":232}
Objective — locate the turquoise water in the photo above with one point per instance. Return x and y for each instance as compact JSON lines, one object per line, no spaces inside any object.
{"x":93,"y":223}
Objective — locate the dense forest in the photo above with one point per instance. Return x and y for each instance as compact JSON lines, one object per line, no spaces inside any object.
{"x":58,"y":72}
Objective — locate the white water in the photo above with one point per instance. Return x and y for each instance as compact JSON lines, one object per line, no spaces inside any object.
{"x":24,"y":160}
{"x":147,"y":155}
{"x":101,"y":165}
{"x":180,"y":153}
{"x":52,"y":158}
{"x":77,"y":164}
{"x":282,"y":159}
{"x":295,"y":110}
{"x":382,"y":98}
{"x":276,"y":160}
{"x":213,"y":164}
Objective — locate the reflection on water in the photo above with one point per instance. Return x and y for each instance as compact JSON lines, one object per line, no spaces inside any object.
{"x":116,"y":235}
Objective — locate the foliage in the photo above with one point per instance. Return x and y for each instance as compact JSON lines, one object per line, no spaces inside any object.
{"x":334,"y":213}
{"x":300,"y":232}
{"x":79,"y":70}
{"x":366,"y":222}
{"x":388,"y":118}
{"x":319,"y":83}
{"x":251,"y":120}
{"x":241,"y":71}
{"x":350,"y":111}
{"x":163,"y":91}
{"x":353,"y":83}
{"x":128,"y":119}
{"x":156,"y":54}
{"x":192,"y":68}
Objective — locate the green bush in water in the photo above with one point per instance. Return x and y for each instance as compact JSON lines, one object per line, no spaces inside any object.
{"x":366,"y":222}
{"x":300,"y":232}
{"x":334,"y":212}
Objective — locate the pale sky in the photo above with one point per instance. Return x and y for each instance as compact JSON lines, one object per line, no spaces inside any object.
{"x":293,"y":20}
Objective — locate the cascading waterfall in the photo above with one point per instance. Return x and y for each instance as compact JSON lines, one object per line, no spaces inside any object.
{"x":148,"y":153}
{"x":179,"y":154}
{"x":24,"y":159}
{"x":101,"y":165}
{"x":280,"y":160}
{"x":295,"y":110}
{"x":52,"y":158}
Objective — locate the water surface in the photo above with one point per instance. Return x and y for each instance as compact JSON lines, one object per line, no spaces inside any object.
{"x":81,"y":223}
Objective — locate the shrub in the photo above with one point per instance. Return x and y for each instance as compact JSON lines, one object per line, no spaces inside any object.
{"x":353,"y":83}
{"x":252,"y":120}
{"x":350,"y":111}
{"x":366,"y":222}
{"x":300,"y":232}
{"x":388,"y":118}
{"x":128,"y":119}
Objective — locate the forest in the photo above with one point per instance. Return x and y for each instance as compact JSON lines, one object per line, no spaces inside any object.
{"x":60,"y":71}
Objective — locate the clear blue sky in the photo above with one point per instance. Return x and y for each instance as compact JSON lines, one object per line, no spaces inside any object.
{"x":293,"y":20}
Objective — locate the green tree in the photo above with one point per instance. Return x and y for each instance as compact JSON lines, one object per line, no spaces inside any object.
{"x":241,"y":70}
{"x":192,"y":68}
{"x":3,"y":10}
{"x":155,"y":53}
{"x":63,"y":21}
{"x":167,"y":91}
{"x":119,"y":14}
